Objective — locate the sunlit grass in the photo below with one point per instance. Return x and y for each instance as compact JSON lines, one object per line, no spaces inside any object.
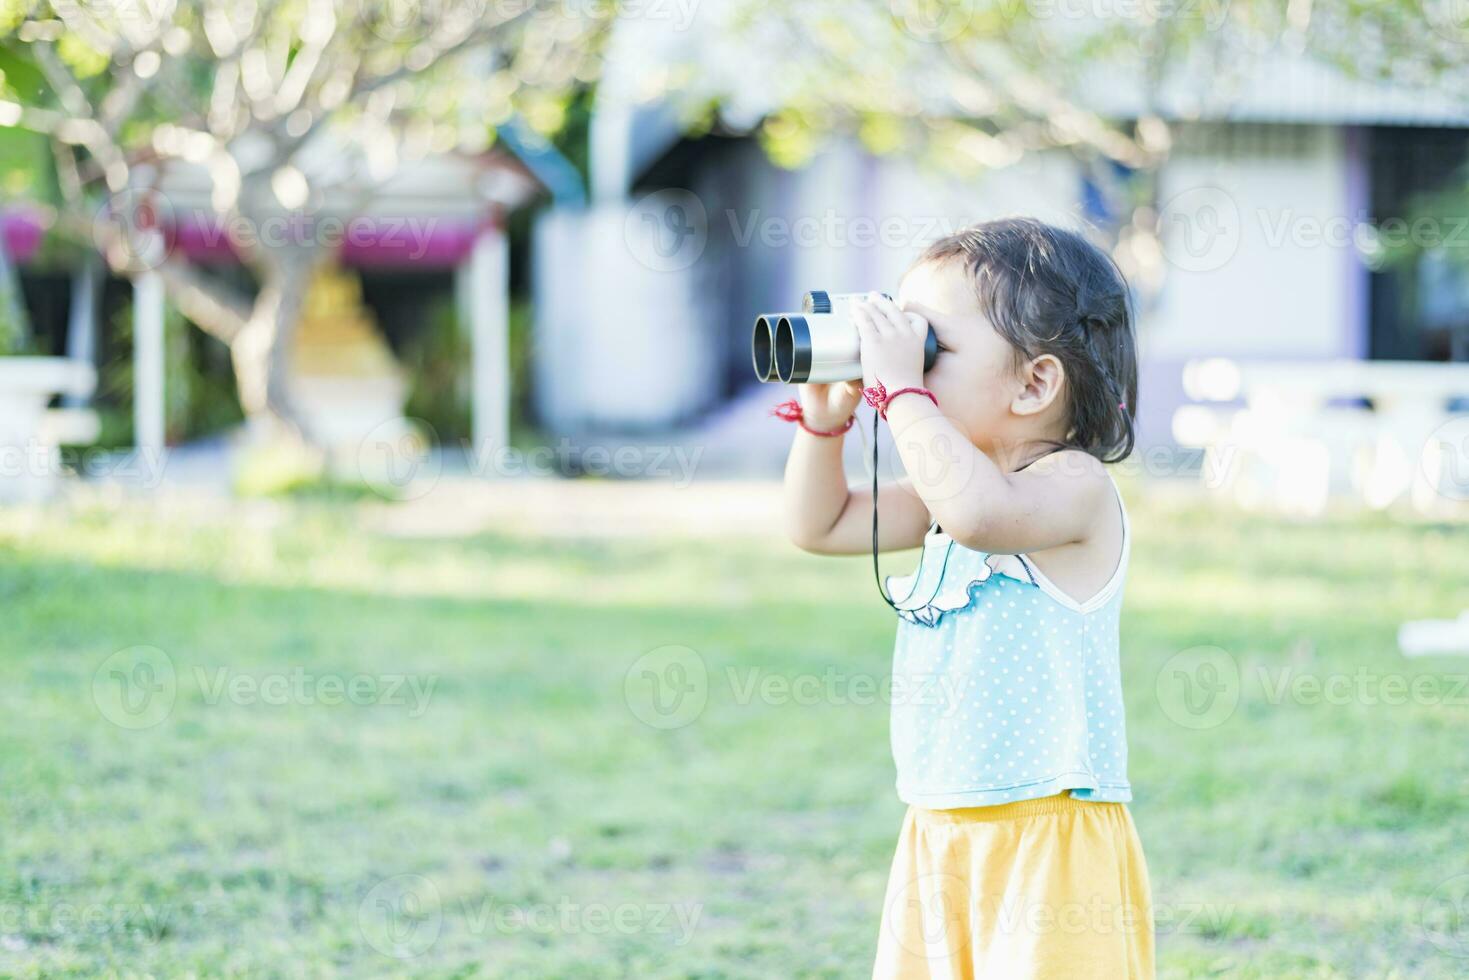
{"x":1298,"y":837}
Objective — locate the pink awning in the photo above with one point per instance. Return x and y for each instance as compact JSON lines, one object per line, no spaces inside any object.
{"x":23,"y":229}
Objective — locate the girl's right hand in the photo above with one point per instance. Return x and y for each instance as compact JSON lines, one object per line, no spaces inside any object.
{"x":828,"y":406}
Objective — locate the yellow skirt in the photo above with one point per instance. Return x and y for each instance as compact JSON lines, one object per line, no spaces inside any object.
{"x":1048,"y":888}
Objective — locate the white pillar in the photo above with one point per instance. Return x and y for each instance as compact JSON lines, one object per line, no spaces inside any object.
{"x":148,"y":418}
{"x":611,"y":154}
{"x":489,"y":317}
{"x":81,"y":326}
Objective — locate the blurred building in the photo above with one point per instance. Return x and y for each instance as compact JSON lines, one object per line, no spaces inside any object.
{"x":414,"y":292}
{"x":1272,"y":211}
{"x":1268,"y":205}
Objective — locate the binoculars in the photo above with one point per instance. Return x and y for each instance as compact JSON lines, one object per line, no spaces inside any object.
{"x":818,"y":344}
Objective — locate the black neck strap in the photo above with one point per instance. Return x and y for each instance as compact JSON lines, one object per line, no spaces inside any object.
{"x":876,"y":574}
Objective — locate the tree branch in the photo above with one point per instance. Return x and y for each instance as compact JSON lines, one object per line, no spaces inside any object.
{"x":216,"y":308}
{"x":1039,"y":99}
{"x":66,"y":87}
{"x":213,"y":307}
{"x":83,"y":127}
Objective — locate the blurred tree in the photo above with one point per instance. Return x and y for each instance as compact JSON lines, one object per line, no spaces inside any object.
{"x":241,"y":91}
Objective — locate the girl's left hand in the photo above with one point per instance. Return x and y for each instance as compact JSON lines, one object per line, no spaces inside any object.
{"x":891,"y":342}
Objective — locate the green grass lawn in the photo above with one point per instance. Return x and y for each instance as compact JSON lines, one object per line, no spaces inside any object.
{"x":342,"y":752}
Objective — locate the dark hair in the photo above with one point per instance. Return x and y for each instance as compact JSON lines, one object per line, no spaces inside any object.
{"x":1050,"y":291}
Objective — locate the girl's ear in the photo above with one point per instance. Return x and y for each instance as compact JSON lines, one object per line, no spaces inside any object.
{"x":1041,"y":381}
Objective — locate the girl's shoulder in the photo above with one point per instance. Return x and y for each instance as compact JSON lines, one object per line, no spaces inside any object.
{"x":1087,"y":481}
{"x":1073,"y":463}
{"x":1087,"y":567}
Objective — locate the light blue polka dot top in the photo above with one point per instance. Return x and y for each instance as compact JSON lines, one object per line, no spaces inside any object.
{"x":1004,"y":687}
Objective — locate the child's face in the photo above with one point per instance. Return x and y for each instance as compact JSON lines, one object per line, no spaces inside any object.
{"x":974,"y":378}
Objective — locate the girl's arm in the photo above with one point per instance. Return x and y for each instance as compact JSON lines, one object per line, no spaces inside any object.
{"x":1056,"y":501}
{"x":823,"y":515}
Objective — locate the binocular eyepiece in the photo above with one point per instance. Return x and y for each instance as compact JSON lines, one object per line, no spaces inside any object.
{"x":819,"y":344}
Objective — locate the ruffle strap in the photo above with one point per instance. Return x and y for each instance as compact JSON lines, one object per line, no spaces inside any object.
{"x":940,"y":585}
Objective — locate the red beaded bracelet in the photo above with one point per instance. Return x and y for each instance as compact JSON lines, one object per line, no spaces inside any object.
{"x":791,"y":411}
{"x":877,"y":396}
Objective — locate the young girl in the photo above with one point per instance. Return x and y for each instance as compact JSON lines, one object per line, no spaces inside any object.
{"x":1018,"y":857}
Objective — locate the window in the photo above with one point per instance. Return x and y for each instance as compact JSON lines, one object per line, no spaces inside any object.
{"x":1420,"y":300}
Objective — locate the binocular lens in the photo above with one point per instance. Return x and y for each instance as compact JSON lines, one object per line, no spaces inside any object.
{"x":792,"y":349}
{"x":762,"y":346}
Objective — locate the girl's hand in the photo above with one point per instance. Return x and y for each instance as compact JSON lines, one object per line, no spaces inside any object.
{"x":892,"y":342}
{"x":828,"y":406}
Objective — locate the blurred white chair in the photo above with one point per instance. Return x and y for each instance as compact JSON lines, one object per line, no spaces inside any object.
{"x":30,"y":433}
{"x":1301,"y":438}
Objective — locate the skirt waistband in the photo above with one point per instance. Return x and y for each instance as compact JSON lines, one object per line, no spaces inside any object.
{"x":1060,"y":803}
